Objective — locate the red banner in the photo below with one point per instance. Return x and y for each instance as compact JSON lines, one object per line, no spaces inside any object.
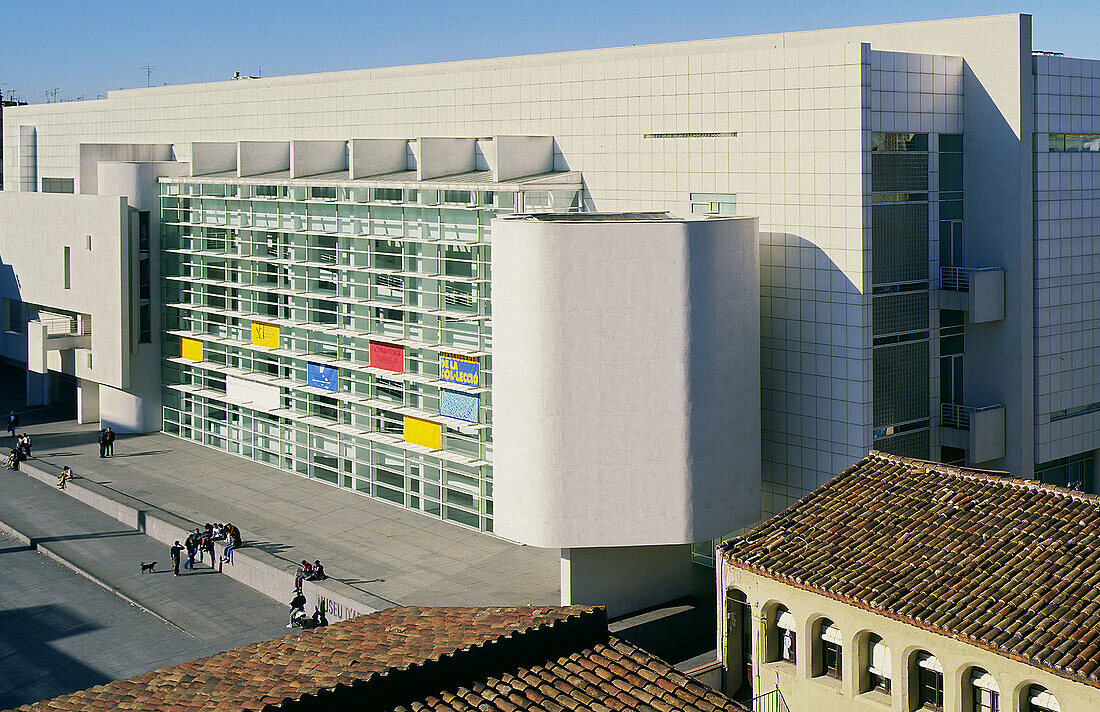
{"x":387,"y":356}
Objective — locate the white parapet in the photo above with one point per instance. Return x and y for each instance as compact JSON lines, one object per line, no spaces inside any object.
{"x":519,"y":156}
{"x":626,"y":379}
{"x":213,"y":157}
{"x":444,"y":157}
{"x":310,"y":158}
{"x":258,"y":157}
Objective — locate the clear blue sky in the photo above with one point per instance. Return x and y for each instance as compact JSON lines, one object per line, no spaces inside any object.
{"x":85,"y":48}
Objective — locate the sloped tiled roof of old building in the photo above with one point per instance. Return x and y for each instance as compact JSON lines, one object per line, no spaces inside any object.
{"x":1006,"y":564}
{"x":545,"y":659}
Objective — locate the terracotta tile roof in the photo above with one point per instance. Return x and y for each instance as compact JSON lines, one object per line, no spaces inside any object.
{"x":544,"y":659}
{"x":1006,"y":564}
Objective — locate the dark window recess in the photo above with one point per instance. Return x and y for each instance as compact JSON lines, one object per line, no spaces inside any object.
{"x":899,"y":142}
{"x":899,"y":172}
{"x":58,"y":185}
{"x":929,"y":689}
{"x":143,"y":231}
{"x":899,"y":243}
{"x":899,"y":313}
{"x":900,"y":383}
{"x":143,"y":278}
{"x":145,"y":326}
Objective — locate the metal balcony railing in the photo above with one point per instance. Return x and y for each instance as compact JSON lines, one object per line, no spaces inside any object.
{"x":57,"y":325}
{"x":770,"y":702}
{"x":957,"y":279}
{"x":953,"y":415}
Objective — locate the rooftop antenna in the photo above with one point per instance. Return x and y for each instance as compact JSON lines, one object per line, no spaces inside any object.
{"x":148,"y":73}
{"x":51,"y":95}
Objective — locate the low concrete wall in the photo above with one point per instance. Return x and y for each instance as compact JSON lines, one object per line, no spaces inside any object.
{"x":257,"y":569}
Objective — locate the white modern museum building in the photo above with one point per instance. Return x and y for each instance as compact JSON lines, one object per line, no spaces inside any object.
{"x":381,"y":278}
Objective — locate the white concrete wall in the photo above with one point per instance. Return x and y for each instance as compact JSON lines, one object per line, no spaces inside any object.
{"x":35,"y":228}
{"x":309,"y":158}
{"x":626,"y":380}
{"x":625,"y":579}
{"x":519,"y":156}
{"x":371,"y":157}
{"x":1067,"y":270}
{"x":137,"y":407}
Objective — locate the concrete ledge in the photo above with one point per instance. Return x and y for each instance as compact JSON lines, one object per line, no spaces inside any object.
{"x":268,"y":574}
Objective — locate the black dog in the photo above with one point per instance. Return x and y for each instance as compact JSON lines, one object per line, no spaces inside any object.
{"x":150,"y":567}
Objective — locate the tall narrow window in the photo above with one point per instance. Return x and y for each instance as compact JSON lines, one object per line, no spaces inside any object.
{"x":831,"y":655}
{"x":984,"y":693}
{"x":66,"y":267}
{"x":929,"y":682}
{"x":784,"y":625}
{"x":878,"y":665}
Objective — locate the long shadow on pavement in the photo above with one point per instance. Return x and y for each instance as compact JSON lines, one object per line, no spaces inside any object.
{"x":32,"y":669}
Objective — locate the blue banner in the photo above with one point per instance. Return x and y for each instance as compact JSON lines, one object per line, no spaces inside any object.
{"x":459,"y":369}
{"x":458,"y":405}
{"x":320,"y":376}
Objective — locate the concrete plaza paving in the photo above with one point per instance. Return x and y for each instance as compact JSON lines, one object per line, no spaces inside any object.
{"x":59,"y":632}
{"x":395,"y":555}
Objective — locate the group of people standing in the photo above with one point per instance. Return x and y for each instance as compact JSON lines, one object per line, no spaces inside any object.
{"x":106,"y":442}
{"x":202,"y":541}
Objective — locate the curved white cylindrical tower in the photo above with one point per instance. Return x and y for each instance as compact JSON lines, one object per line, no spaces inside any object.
{"x":626,"y":379}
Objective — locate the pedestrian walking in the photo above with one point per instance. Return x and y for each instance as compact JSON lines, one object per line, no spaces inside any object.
{"x":110,"y":442}
{"x":13,"y":423}
{"x":102,"y":440}
{"x":175,"y":551}
{"x":63,"y":477}
{"x":27,"y":445}
{"x":190,"y":543}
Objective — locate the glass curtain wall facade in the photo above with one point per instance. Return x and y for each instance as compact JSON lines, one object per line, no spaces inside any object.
{"x":900,"y":307}
{"x":916,"y":192}
{"x":339,"y":332}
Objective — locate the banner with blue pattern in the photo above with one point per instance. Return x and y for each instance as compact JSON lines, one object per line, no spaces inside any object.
{"x":459,"y":405}
{"x":320,"y":376}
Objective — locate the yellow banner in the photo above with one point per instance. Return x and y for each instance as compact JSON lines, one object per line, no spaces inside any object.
{"x":190,"y":349}
{"x":423,"y":432}
{"x":265,"y":335}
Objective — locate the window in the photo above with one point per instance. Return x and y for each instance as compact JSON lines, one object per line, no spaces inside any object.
{"x":388,"y":194}
{"x":67,"y":268}
{"x":17,"y":316}
{"x":928,"y":679}
{"x":57,"y":185}
{"x":1074,"y":143}
{"x":1038,"y":699}
{"x":983,"y":693}
{"x":463,"y":197}
{"x":878,"y":665}
{"x":830,"y":650}
{"x":318,"y":192}
{"x":739,"y":644}
{"x":784,"y":632}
